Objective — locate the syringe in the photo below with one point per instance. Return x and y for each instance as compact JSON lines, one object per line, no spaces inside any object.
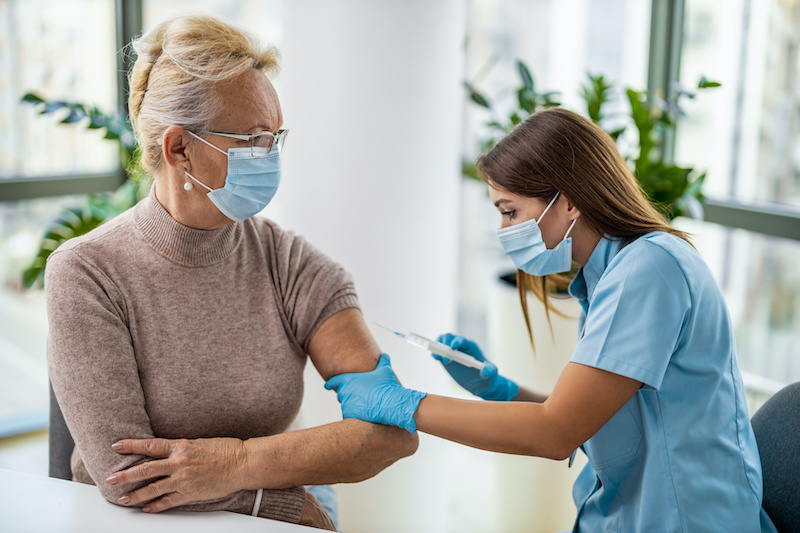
{"x":438,"y":348}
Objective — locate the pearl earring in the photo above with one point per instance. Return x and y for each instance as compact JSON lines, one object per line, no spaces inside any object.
{"x":188,"y":186}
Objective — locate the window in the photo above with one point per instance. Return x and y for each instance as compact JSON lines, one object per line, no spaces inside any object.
{"x":60,"y":49}
{"x":63,"y":50}
{"x":262,"y":17}
{"x":66,"y":50}
{"x":746,"y":134}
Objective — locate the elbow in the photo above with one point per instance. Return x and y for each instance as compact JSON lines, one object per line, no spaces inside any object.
{"x":409,"y":444}
{"x":397,"y":443}
{"x":111,"y":493}
{"x":556,"y":447}
{"x":561,"y":448}
{"x":382,"y":447}
{"x":560,"y":454}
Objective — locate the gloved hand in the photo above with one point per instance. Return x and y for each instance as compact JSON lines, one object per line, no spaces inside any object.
{"x":487,"y":383}
{"x":377,"y":397}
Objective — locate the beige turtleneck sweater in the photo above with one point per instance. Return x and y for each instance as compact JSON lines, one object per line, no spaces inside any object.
{"x":157,"y":329}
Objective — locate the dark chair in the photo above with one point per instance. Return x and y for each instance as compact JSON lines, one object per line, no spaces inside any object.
{"x":777,"y":428}
{"x":60,"y":442}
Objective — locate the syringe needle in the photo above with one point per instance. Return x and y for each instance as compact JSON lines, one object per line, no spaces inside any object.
{"x":401,"y":335}
{"x":438,"y":348}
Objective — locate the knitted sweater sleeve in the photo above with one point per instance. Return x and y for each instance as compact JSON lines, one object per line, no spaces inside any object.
{"x":95,"y":376}
{"x":312,"y":286}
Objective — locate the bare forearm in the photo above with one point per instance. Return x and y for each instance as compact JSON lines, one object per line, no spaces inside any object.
{"x":522,"y":428}
{"x":342,"y":452}
{"x":583,"y":400}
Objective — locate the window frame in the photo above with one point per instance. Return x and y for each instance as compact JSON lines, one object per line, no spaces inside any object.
{"x":128,"y":14}
{"x":765,"y":218}
{"x":666,"y":41}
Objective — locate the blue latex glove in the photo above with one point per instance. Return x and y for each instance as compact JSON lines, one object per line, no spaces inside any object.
{"x":487,"y":383}
{"x":377,"y":397}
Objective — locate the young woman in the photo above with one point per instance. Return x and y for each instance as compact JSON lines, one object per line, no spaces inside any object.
{"x":652,"y":394}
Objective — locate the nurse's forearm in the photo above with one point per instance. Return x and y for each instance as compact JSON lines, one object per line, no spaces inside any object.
{"x":583,"y":400}
{"x":342,"y":452}
{"x":518,"y":427}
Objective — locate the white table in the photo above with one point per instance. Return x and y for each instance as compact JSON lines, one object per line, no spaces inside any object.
{"x":35,"y":504}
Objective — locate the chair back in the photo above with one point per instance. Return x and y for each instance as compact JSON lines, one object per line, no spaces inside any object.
{"x":60,"y":441}
{"x":777,"y":428}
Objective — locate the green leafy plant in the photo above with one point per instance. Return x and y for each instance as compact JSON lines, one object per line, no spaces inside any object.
{"x":100,"y":207}
{"x":527,"y":101}
{"x":674,"y":190}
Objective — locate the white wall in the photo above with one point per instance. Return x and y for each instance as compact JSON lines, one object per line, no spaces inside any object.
{"x":371,"y":91}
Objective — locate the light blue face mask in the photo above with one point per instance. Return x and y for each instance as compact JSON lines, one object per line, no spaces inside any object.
{"x":523,"y":244}
{"x":252,"y":181}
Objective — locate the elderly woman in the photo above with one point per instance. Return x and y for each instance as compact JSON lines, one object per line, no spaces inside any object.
{"x":186,"y":318}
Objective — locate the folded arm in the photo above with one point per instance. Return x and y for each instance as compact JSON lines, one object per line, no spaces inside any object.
{"x":95,"y":376}
{"x":345,"y":451}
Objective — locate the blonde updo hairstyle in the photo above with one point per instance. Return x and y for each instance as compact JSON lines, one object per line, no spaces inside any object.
{"x":179,"y":64}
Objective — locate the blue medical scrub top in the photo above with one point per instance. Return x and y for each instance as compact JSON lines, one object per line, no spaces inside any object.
{"x":681,"y":454}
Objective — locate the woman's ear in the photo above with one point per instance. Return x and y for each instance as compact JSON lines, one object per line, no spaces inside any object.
{"x":572,"y":209}
{"x":174,"y":144}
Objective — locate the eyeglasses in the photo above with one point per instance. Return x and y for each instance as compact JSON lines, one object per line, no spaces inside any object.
{"x":262,"y":139}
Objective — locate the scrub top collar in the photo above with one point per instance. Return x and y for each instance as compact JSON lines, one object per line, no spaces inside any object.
{"x":583,"y":284}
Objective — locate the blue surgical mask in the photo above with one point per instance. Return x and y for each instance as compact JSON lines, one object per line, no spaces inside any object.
{"x":523,"y":244}
{"x":252,"y":181}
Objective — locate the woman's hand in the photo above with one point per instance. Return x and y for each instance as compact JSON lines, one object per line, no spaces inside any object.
{"x":376,"y":396}
{"x":183,"y":471}
{"x":487,"y":383}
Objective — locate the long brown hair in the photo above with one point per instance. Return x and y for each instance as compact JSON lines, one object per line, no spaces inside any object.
{"x":556,"y":150}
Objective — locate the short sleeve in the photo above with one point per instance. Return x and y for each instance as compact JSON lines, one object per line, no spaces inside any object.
{"x":637,"y":315}
{"x":313,"y":286}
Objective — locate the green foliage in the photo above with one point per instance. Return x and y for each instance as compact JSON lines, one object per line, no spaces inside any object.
{"x":528,"y":101}
{"x":676,"y":191}
{"x":595,"y":95}
{"x":98,"y":208}
{"x":116,"y":125}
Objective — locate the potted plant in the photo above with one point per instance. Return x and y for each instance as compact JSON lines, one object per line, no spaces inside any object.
{"x":100,"y":207}
{"x":674,"y":190}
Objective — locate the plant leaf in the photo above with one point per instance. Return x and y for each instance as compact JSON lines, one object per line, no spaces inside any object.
{"x":74,"y":115}
{"x":527,"y":99}
{"x":707,"y":84}
{"x":32,"y":98}
{"x":595,"y":94}
{"x":477,"y":97}
{"x":616,"y":133}
{"x":525,"y":75}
